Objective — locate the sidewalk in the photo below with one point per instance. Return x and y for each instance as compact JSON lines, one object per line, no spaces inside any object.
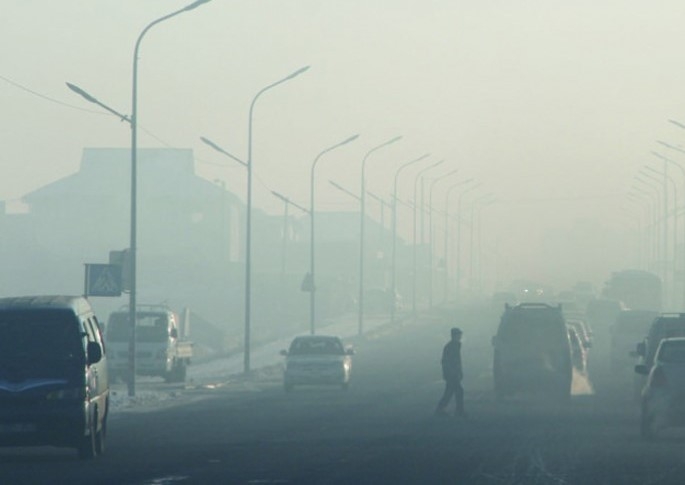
{"x":220,"y":370}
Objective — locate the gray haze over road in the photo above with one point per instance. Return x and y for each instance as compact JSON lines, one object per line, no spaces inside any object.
{"x":381,"y":431}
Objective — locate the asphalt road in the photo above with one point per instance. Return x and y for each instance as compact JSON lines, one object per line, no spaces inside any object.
{"x":382,"y":430}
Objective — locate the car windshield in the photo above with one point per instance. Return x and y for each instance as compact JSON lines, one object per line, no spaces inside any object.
{"x":672,"y":353}
{"x":49,"y":336}
{"x":316,"y":347}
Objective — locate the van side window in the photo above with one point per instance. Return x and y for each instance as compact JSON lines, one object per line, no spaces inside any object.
{"x":97,"y":330}
{"x":93,"y":332}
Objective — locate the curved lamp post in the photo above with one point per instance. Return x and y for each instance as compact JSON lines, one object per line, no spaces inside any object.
{"x":394,"y":229}
{"x":248,"y":231}
{"x":483,"y":199}
{"x":458,"y":273}
{"x":360,"y":311}
{"x":414,"y":275}
{"x":312,"y":292}
{"x":134,"y":168}
{"x":653,"y":195}
{"x":430,"y":231}
{"x":445,"y":249}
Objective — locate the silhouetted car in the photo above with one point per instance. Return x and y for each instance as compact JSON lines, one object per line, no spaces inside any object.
{"x":532,"y":351}
{"x":663,"y":397}
{"x":317,"y":359}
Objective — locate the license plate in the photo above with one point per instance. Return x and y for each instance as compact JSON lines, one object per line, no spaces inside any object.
{"x":17,"y":428}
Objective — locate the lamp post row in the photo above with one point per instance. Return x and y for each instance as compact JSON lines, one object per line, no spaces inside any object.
{"x":133,"y":121}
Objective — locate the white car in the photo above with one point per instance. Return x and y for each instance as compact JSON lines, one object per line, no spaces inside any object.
{"x":317,"y":359}
{"x":664,"y":394}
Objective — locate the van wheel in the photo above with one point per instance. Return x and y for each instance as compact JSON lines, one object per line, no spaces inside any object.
{"x":86,"y":446}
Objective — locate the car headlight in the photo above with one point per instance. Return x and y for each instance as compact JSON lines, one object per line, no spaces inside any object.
{"x":64,"y":394}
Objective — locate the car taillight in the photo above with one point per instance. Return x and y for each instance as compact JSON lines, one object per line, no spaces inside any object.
{"x":658,"y":379}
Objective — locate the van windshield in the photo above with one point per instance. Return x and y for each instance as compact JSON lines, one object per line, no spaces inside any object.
{"x":150,"y":327}
{"x":39,"y":336}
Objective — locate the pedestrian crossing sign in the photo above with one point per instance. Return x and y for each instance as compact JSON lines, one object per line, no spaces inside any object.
{"x":103,"y":280}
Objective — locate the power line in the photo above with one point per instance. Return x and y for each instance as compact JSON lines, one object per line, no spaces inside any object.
{"x":146,"y":131}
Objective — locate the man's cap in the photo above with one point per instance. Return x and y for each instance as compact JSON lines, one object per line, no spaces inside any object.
{"x":456,"y":331}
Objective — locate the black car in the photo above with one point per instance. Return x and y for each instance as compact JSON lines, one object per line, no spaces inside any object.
{"x":532,"y":351}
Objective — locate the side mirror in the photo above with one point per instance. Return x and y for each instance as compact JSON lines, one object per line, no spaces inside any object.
{"x":641,"y":349}
{"x":641,"y":369}
{"x":94,"y":353}
{"x":284,"y":353}
{"x":173,"y":333}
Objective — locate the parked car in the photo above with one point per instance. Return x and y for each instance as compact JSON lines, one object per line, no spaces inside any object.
{"x":664,"y":394}
{"x":532,"y":351}
{"x":665,"y":325}
{"x":317,"y":360}
{"x":53,"y":374}
{"x":162,"y":349}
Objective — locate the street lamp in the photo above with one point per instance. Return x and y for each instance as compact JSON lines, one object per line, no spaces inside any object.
{"x":133,"y":121}
{"x":479,"y":259}
{"x":662,"y":179}
{"x":446,"y":248}
{"x":344,"y":190}
{"x":312,"y":288}
{"x":248,"y":231}
{"x":487,"y":198}
{"x":653,"y":195}
{"x":216,"y":147}
{"x":360,"y":310}
{"x":286,"y":203}
{"x":394,"y":229}
{"x":682,"y":171}
{"x":458,"y":273}
{"x":430,"y":232}
{"x":414,"y":275}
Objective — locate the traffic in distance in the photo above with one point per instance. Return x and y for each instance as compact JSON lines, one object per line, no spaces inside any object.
{"x":61,"y":364}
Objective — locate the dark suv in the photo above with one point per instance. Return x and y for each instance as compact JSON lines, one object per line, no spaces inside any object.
{"x":532,"y":351}
{"x":53,"y":374}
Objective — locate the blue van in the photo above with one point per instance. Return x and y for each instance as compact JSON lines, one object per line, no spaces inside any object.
{"x":53,"y":374}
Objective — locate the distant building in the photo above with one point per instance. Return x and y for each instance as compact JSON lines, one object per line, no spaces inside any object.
{"x":191,"y":244}
{"x":188,"y":228}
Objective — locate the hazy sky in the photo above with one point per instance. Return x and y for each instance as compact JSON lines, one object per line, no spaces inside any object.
{"x":552,"y":105}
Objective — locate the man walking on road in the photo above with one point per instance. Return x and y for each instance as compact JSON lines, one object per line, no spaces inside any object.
{"x":452,"y":373}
